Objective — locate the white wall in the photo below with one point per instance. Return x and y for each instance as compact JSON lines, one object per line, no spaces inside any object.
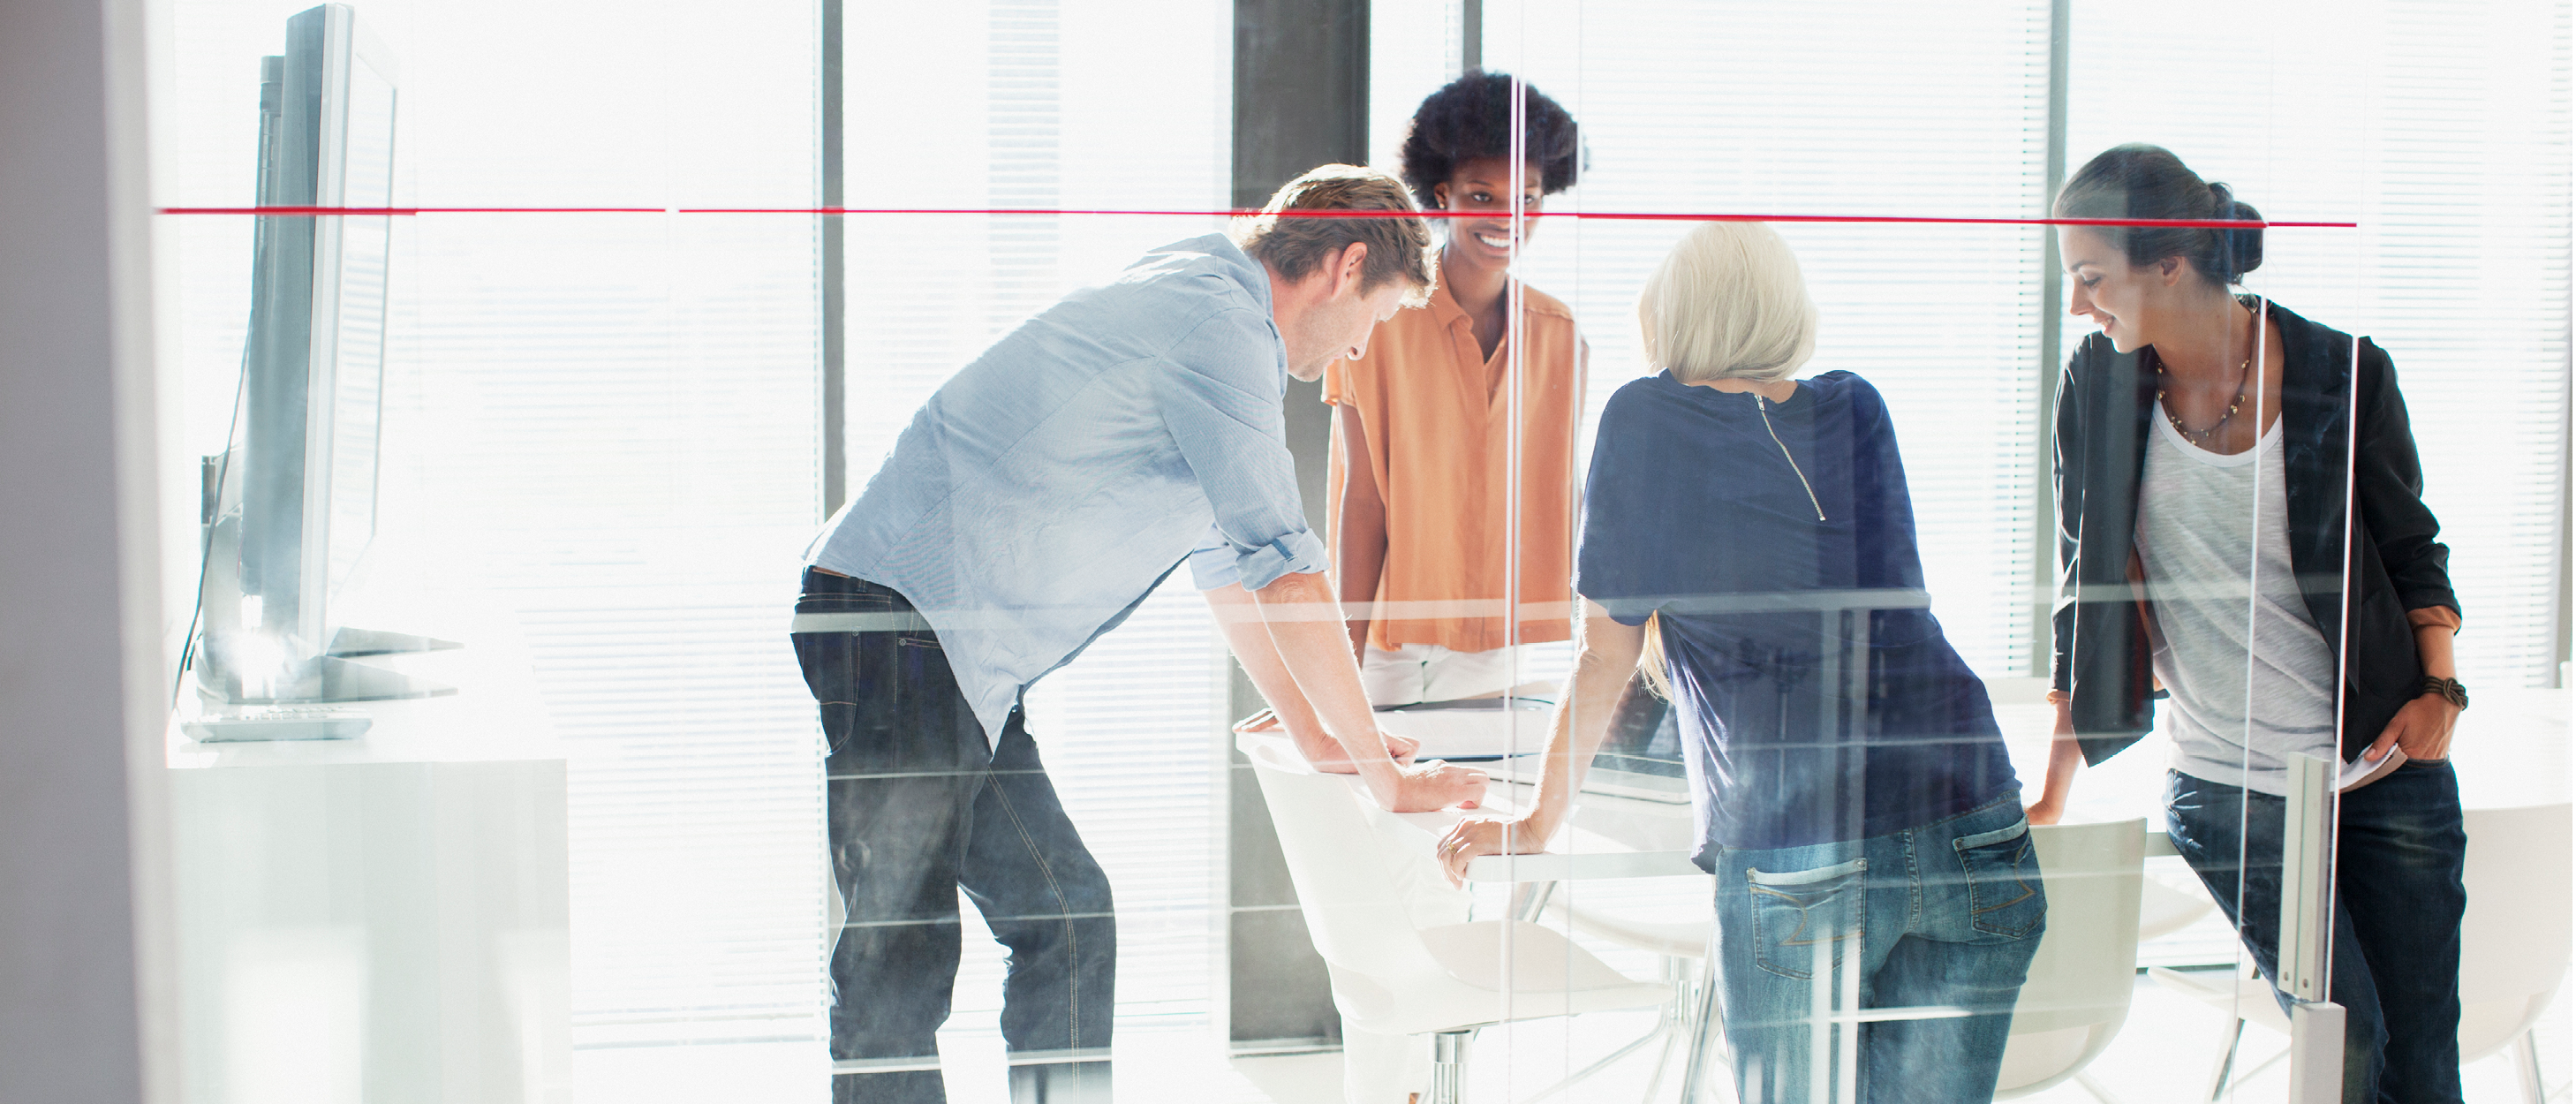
{"x":83,"y":862}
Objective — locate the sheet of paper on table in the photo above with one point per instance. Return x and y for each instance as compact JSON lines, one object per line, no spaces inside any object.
{"x":1472,"y":729}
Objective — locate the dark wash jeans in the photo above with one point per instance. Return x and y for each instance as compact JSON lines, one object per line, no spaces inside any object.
{"x":2399,"y":852}
{"x":919,"y":808}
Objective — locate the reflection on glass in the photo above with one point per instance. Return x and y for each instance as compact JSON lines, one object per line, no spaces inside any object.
{"x":597,"y":431}
{"x":2287,"y":596}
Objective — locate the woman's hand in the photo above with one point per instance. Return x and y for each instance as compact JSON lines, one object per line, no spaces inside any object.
{"x":2422,"y":729}
{"x":1469,"y":839}
{"x":2065,"y":756}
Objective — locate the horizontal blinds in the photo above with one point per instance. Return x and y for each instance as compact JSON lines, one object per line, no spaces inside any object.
{"x":2467,"y":256}
{"x":1902,"y":109}
{"x":1054,"y":106}
{"x":604,"y":427}
{"x":2443,"y":130}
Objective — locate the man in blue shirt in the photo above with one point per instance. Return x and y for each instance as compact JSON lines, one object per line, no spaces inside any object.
{"x":1031,"y":505}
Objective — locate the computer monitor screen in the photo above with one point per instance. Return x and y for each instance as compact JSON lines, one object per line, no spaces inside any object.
{"x":357,"y":377}
{"x":314,"y":395}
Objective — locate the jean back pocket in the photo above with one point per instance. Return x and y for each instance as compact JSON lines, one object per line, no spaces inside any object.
{"x":2001,"y":869}
{"x":1802,"y":917}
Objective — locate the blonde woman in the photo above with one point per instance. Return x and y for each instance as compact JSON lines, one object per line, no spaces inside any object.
{"x":1746,"y":535}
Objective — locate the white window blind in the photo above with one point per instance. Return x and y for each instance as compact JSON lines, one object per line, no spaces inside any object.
{"x":606,"y":425}
{"x":1044,"y":105}
{"x":1902,"y":109}
{"x":2443,"y":130}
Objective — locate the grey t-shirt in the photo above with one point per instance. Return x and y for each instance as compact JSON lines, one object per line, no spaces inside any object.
{"x":2205,"y":520}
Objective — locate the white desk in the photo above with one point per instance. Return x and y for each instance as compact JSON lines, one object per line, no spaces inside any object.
{"x":381,"y":919}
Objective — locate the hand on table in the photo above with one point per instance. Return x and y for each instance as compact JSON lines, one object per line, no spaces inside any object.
{"x":1436,"y":785}
{"x":1325,"y":753}
{"x":2421,"y":728}
{"x":1470,"y":839}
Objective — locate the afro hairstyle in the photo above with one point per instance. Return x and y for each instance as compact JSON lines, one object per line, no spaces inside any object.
{"x":1471,"y":118}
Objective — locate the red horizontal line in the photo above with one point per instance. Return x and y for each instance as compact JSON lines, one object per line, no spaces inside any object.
{"x":1614,"y":216}
{"x":407,"y":211}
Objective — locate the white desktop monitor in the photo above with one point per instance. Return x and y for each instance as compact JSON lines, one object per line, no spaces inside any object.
{"x":317,"y":341}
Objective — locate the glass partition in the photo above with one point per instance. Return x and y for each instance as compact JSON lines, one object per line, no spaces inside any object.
{"x":1731,"y":556}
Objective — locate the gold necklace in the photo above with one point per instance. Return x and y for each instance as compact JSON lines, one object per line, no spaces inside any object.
{"x":2243,"y":377}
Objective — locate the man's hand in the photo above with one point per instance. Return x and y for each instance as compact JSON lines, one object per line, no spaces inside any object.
{"x":1469,"y":839}
{"x":2422,"y":728}
{"x":1325,"y":753}
{"x":1429,"y":787}
{"x":1292,"y":647}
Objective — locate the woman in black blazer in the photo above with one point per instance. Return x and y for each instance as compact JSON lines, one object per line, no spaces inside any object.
{"x":2201,"y":432}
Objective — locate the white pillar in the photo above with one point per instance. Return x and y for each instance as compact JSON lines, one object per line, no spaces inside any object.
{"x":84,"y":885}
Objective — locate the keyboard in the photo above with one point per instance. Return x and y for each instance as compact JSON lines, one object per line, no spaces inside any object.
{"x":284,"y":722}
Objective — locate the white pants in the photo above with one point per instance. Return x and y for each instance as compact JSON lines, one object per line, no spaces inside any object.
{"x":1415,"y":673}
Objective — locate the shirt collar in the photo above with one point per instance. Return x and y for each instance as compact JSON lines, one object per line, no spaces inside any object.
{"x":1444,"y":309}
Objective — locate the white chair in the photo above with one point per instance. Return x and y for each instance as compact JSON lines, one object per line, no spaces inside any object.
{"x":2513,"y":950}
{"x":2081,"y":979}
{"x":2086,"y":969}
{"x":1391,"y":976}
{"x":2164,"y":909}
{"x":1680,"y":941}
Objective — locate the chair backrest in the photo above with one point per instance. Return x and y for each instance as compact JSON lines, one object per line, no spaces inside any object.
{"x":2087,"y":964}
{"x":1354,"y":906}
{"x":2514,"y":940}
{"x":2086,"y":968}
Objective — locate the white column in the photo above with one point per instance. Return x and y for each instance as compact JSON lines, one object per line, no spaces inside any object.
{"x":84,"y":885}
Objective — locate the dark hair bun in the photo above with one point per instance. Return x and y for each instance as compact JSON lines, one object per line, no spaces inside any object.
{"x":2234,"y":252}
{"x":2149,"y":183}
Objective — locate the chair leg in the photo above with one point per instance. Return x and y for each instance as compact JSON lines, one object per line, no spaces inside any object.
{"x":1449,"y":1066}
{"x":1684,"y":1019}
{"x":2526,"y":1069}
{"x":2226,"y":1059}
{"x":1663,"y":1026}
{"x":1695,"y":1066}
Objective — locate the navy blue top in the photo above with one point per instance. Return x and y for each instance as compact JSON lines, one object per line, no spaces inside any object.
{"x":1696,"y":508}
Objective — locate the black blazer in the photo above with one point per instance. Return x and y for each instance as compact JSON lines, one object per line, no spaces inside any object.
{"x":2388,"y":551}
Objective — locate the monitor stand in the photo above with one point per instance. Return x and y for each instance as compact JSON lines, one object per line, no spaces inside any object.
{"x":323,"y":680}
{"x":371,"y":642}
{"x":344,"y":681}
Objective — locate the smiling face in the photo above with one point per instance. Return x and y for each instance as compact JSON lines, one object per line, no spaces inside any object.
{"x":1482,"y":189}
{"x":2129,"y":302}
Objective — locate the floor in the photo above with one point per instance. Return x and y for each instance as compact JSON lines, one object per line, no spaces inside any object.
{"x":2516,"y":755}
{"x":2163,"y":1054}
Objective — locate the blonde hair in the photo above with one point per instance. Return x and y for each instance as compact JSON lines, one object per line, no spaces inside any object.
{"x":1399,"y":247}
{"x":1650,"y":660}
{"x":1728,"y":302}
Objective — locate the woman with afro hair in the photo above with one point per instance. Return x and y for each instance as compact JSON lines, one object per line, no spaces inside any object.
{"x":1423,"y":422}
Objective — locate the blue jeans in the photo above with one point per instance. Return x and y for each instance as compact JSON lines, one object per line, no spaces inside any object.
{"x":1943,"y":919}
{"x":918,"y":808}
{"x":2399,"y":852}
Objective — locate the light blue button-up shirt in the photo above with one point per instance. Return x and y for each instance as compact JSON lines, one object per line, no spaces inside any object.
{"x":1044,"y":490}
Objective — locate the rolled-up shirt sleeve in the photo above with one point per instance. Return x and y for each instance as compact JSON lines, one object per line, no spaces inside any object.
{"x":1220,"y":394}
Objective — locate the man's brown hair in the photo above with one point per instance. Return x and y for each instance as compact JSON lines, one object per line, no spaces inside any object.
{"x":1399,"y":248}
